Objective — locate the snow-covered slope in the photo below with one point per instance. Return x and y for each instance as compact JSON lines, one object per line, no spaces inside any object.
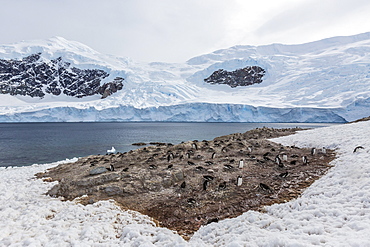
{"x":327,"y":80}
{"x":333,"y":211}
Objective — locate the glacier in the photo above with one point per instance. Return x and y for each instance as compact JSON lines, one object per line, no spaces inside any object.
{"x":193,"y":112}
{"x":321,"y":81}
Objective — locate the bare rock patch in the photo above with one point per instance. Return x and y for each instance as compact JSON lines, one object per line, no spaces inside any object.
{"x":195,"y":183}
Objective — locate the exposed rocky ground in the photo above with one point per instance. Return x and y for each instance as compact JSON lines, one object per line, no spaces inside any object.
{"x":35,"y":77}
{"x":195,"y":183}
{"x":241,"y":77}
{"x":361,"y":120}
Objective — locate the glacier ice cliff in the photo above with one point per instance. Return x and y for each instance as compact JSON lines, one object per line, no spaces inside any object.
{"x":194,"y":112}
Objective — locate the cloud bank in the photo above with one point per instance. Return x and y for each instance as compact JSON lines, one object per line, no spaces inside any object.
{"x":174,"y":30}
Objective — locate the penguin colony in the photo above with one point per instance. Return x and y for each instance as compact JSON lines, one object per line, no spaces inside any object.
{"x":194,"y":183}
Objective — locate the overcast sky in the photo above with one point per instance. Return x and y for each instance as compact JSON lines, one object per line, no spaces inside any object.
{"x":177,"y":30}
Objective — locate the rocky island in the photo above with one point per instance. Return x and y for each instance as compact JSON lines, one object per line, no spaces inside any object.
{"x":194,"y":183}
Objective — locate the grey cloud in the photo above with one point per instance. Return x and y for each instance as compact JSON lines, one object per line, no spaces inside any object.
{"x":310,"y":16}
{"x":163,"y":30}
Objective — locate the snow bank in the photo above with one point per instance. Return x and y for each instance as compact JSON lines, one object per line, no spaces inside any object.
{"x":334,"y":211}
{"x":30,"y":218}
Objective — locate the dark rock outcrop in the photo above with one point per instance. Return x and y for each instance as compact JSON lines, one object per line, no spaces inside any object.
{"x":111,"y":87}
{"x":241,"y":77}
{"x":34,"y":76}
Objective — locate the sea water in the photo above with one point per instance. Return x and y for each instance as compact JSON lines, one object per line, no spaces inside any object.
{"x":23,"y":144}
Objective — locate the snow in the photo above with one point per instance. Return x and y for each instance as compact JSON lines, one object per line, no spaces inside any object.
{"x":321,"y":76}
{"x":333,"y":211}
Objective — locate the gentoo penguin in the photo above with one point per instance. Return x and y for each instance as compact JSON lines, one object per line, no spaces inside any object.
{"x":194,"y":146}
{"x":152,"y":167}
{"x":293,"y":162}
{"x":190,"y":163}
{"x":222,"y":185}
{"x":183,"y":185}
{"x":228,"y":167}
{"x":277,"y":160}
{"x":283,"y":175}
{"x":170,"y":156}
{"x":111,"y":168}
{"x":304,"y":159}
{"x":313,"y":151}
{"x":205,"y":184}
{"x":199,"y":168}
{"x":357,"y":148}
{"x":285,"y":157}
{"x":241,"y":164}
{"x":191,"y":201}
{"x":323,"y":150}
{"x":264,"y":187}
{"x":213,"y":155}
{"x":239,"y":181}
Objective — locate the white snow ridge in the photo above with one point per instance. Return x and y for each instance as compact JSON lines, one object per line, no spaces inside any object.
{"x":333,"y":211}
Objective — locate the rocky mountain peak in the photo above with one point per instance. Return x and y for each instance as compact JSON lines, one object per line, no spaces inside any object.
{"x":241,"y":77}
{"x":34,"y":76}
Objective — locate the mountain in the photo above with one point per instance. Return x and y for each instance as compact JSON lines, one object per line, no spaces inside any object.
{"x":61,"y":80}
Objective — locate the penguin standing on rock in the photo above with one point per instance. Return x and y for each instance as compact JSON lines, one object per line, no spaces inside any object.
{"x":205,"y":184}
{"x":277,"y":160}
{"x":241,"y":164}
{"x":213,"y":155}
{"x":239,"y":181}
{"x":304,"y":159}
{"x":313,"y":151}
{"x":285,"y":157}
{"x":195,"y":146}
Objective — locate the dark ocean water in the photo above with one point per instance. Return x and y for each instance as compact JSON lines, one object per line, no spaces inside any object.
{"x":23,"y":144}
